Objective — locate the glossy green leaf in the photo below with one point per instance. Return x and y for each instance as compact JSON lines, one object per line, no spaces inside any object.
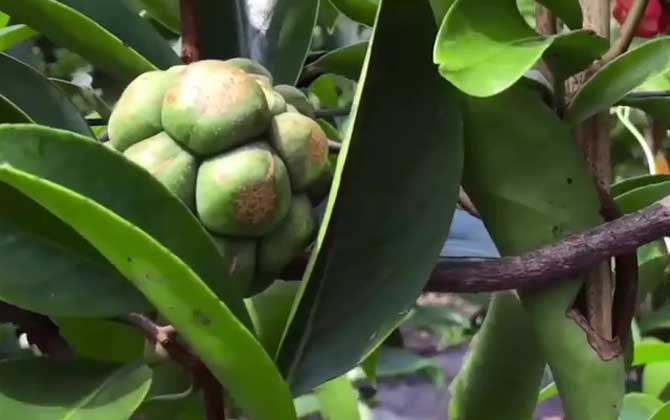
{"x":526,"y":176}
{"x":164,"y":11}
{"x":35,"y":96}
{"x":102,"y":340}
{"x":346,"y":61}
{"x":338,"y":400}
{"x":12,"y":35}
{"x":88,"y":97}
{"x":68,"y":27}
{"x":655,"y":378}
{"x":485,"y":47}
{"x":639,"y":181}
{"x":663,"y":413}
{"x":547,"y":392}
{"x":374,"y":252}
{"x":569,"y":11}
{"x":220,"y":339}
{"x":651,"y":351}
{"x":642,"y":197}
{"x":70,"y":160}
{"x":639,"y":407}
{"x":488,"y":385}
{"x":269,"y":311}
{"x":362,"y":11}
{"x":79,"y":390}
{"x":656,"y":107}
{"x":619,"y":77}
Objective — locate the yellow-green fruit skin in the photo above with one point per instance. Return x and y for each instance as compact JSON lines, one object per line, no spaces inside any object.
{"x":137,"y":114}
{"x":280,"y":246}
{"x":239,"y":255}
{"x":212,"y":107}
{"x":168,"y":162}
{"x":250,"y":67}
{"x":302,"y":145}
{"x":294,"y":97}
{"x":245,"y":192}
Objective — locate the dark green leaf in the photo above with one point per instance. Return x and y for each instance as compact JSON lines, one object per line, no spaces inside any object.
{"x":485,"y":47}
{"x":269,"y":311}
{"x":11,"y":113}
{"x":619,"y":77}
{"x":328,"y":15}
{"x":102,"y":340}
{"x":86,"y":95}
{"x":12,"y":35}
{"x":187,"y":408}
{"x":216,"y":335}
{"x":659,"y":319}
{"x":68,"y":27}
{"x":641,"y":197}
{"x":656,"y":107}
{"x":164,"y":11}
{"x":572,"y":52}
{"x":394,"y":361}
{"x":569,"y":11}
{"x":338,"y":400}
{"x":640,"y":181}
{"x":526,"y":176}
{"x":46,"y":389}
{"x":369,"y":365}
{"x":651,"y":274}
{"x":375,"y":251}
{"x":362,"y":11}
{"x":346,"y":61}
{"x":639,"y":407}
{"x":35,"y":96}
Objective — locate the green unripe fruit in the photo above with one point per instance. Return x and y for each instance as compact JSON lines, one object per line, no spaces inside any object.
{"x":302,"y":145}
{"x":251,"y":67}
{"x":278,"y":248}
{"x":294,"y":96}
{"x":137,"y":114}
{"x":212,"y":107}
{"x":173,"y":166}
{"x":240,"y":258}
{"x":276,"y":102}
{"x":318,"y":190}
{"x":245,"y":192}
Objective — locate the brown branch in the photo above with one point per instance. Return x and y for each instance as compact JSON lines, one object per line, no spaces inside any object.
{"x":190,"y":35}
{"x":557,"y":261}
{"x":166,"y":336}
{"x":627,"y":33}
{"x":41,"y":331}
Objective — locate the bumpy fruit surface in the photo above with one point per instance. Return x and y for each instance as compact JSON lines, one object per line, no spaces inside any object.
{"x":173,"y":166}
{"x":244,"y":192}
{"x":303,"y":145}
{"x":212,"y":107}
{"x":243,"y":155}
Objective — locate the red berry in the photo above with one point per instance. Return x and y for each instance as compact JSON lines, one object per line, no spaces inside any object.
{"x":652,"y":23}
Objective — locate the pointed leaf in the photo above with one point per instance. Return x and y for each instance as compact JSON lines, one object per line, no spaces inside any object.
{"x":80,"y":390}
{"x":338,"y":400}
{"x":12,"y":35}
{"x":37,"y":98}
{"x":103,"y":175}
{"x":80,"y":25}
{"x":635,"y":182}
{"x":572,"y":52}
{"x":375,"y":251}
{"x":216,"y":335}
{"x":619,"y":77}
{"x":642,"y":197}
{"x":362,"y":11}
{"x":346,"y":61}
{"x":484,"y":47}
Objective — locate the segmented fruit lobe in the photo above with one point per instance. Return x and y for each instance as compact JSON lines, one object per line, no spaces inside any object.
{"x":173,"y":166}
{"x":654,"y":21}
{"x":137,"y":114}
{"x":250,"y":67}
{"x":213,"y":107}
{"x":295,"y":98}
{"x":302,"y":145}
{"x":245,"y":192}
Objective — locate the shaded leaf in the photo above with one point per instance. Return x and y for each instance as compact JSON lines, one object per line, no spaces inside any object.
{"x":99,"y":339}
{"x":65,"y":25}
{"x":569,"y":11}
{"x":651,"y":274}
{"x":36,"y":97}
{"x":346,"y":61}
{"x":639,"y":181}
{"x":164,"y":11}
{"x":187,"y":408}
{"x":86,"y":95}
{"x":362,"y":11}
{"x":269,"y":311}
{"x":619,"y":77}
{"x":572,"y":52}
{"x":12,"y":35}
{"x":216,"y":335}
{"x":641,"y":197}
{"x":657,"y":320}
{"x":374,"y":252}
{"x":80,"y":390}
{"x":338,"y":399}
{"x":10,"y":113}
{"x":395,"y":361}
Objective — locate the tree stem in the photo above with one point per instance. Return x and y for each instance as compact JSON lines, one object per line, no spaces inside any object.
{"x":190,"y":34}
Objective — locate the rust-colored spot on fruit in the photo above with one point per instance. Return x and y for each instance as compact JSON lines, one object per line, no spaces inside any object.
{"x":171,"y":98}
{"x":231,"y":88}
{"x":257,"y":204}
{"x":318,"y":145}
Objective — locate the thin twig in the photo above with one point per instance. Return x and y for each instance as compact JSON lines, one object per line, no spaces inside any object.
{"x":332,"y":112}
{"x":190,"y":34}
{"x":621,"y":44}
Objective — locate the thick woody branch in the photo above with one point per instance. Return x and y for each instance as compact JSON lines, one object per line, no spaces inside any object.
{"x":557,"y":261}
{"x":190,"y":34}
